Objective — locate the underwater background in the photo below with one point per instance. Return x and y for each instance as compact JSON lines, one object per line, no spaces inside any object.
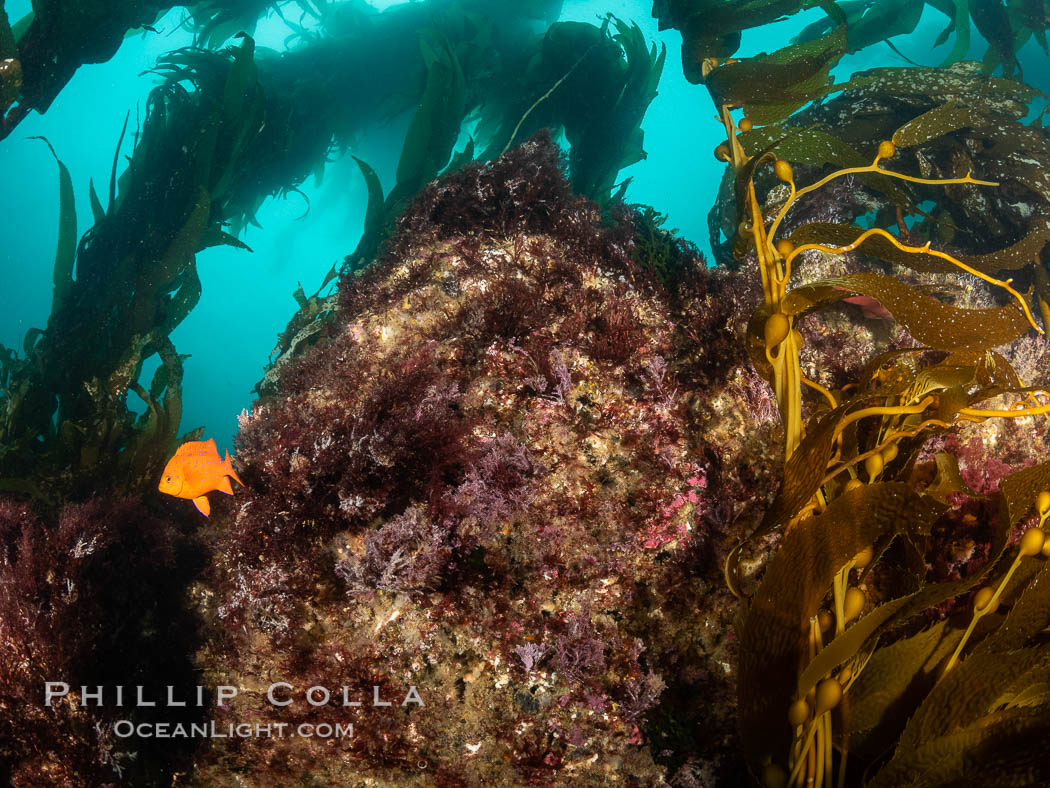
{"x":246,"y":297}
{"x":461,"y":392}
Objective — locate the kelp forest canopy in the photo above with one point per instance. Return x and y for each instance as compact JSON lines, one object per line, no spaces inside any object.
{"x":228,"y":127}
{"x":918,"y":194}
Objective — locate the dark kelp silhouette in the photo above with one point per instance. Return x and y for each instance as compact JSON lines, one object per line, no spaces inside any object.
{"x":67,"y":426}
{"x":257,"y":125}
{"x":711,"y":28}
{"x":40,"y":53}
{"x":594,"y":85}
{"x":51,"y":42}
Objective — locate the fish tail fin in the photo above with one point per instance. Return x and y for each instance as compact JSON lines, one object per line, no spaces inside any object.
{"x":228,"y":467}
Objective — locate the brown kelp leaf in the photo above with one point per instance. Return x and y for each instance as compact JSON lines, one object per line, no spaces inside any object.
{"x":805,"y":469}
{"x":896,"y":379}
{"x":10,"y":67}
{"x":116,"y":159}
{"x":434,"y":128}
{"x":1028,"y":616}
{"x":992,"y":21}
{"x":811,"y":297}
{"x":182,"y":247}
{"x":899,"y":356}
{"x":1005,"y":748}
{"x":941,"y":377}
{"x":1013,"y":257}
{"x":870,"y":23}
{"x":1009,"y":140}
{"x":756,"y":342}
{"x":1031,"y":688}
{"x":937,"y":122}
{"x":993,"y":370}
{"x":1020,"y":489}
{"x":815,"y":147}
{"x":893,"y":683}
{"x":184,"y":299}
{"x":8,"y":45}
{"x":1033,"y":16}
{"x":1041,"y":294}
{"x":808,"y":146}
{"x":812,"y":146}
{"x":774,"y":633}
{"x":928,"y":320}
{"x":698,"y":48}
{"x":374,"y":210}
{"x":839,"y":235}
{"x":742,"y":181}
{"x":185,"y":242}
{"x":871,"y":624}
{"x":150,"y":444}
{"x":242,"y":78}
{"x":712,"y":29}
{"x":98,"y":213}
{"x":948,"y":479}
{"x":10,"y":82}
{"x":65,"y":254}
{"x":950,"y":402}
{"x":216,"y":236}
{"x":763,"y":112}
{"x":970,"y":691}
{"x":1035,"y":177}
{"x":964,"y":82}
{"x":803,"y":473}
{"x":960,"y":25}
{"x":772,"y":87}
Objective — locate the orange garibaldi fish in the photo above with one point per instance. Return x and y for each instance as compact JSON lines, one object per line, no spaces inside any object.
{"x":195,"y":470}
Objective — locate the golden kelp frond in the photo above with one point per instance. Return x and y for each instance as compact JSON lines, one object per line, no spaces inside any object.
{"x":834,"y":654}
{"x":1019,"y":490}
{"x":932,"y":322}
{"x":770,"y":88}
{"x":775,"y":632}
{"x":998,"y":749}
{"x":893,"y":682}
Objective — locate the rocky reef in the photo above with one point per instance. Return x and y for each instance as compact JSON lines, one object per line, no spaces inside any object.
{"x":93,"y":596}
{"x":485,"y":521}
{"x":500,"y":479}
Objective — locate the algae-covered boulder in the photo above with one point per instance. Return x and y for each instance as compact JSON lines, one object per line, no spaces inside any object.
{"x":491,"y":497}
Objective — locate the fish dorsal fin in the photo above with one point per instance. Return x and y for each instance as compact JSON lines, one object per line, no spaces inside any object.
{"x":189,"y":447}
{"x":198,"y":448}
{"x":224,"y":486}
{"x":202,"y":505}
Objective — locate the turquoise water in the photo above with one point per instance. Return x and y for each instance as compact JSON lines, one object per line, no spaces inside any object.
{"x":247,"y":297}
